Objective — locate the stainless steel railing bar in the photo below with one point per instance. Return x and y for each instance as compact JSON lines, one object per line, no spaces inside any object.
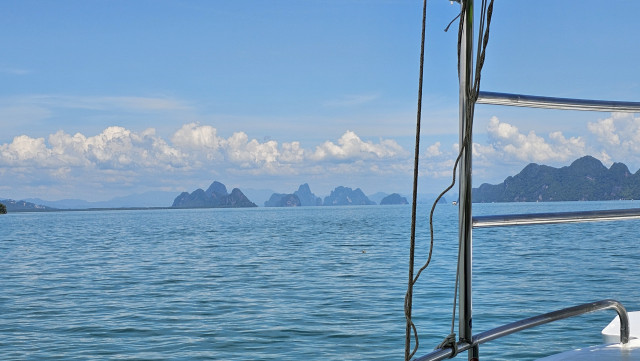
{"x":533,"y":101}
{"x":442,"y":354}
{"x":559,"y":217}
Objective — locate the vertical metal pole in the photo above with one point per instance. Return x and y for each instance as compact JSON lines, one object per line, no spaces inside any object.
{"x":464,"y":210}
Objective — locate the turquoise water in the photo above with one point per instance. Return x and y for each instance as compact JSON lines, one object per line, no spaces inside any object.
{"x":317,"y":283}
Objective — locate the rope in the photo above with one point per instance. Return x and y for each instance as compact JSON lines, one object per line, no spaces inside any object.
{"x":454,"y":19}
{"x":449,"y":342}
{"x":411,"y":327}
{"x":483,"y":39}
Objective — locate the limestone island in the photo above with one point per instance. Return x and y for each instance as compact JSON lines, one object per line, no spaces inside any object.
{"x":302,"y":197}
{"x":394,"y":198}
{"x":216,"y":196}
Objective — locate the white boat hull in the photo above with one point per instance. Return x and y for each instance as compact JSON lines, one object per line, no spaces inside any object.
{"x":611,"y":351}
{"x":617,"y":351}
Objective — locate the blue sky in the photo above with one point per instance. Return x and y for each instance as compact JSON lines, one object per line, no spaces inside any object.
{"x":107,"y":98}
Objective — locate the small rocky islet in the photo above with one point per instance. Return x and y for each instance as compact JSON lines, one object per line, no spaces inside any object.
{"x":340,"y":196}
{"x":217,"y":196}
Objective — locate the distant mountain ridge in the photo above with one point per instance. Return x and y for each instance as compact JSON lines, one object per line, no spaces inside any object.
{"x":216,"y":196}
{"x":146,"y":199}
{"x":586,"y":179}
{"x":24,"y":206}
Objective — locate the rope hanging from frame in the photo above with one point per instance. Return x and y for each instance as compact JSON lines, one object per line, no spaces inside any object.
{"x":483,"y":39}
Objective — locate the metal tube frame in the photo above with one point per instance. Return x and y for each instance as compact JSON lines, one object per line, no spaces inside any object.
{"x":464,"y":212}
{"x":558,"y":217}
{"x":466,"y":222}
{"x":442,"y":354}
{"x":533,"y":101}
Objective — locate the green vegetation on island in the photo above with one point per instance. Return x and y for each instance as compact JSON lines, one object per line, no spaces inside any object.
{"x":586,"y":179}
{"x":3,"y":209}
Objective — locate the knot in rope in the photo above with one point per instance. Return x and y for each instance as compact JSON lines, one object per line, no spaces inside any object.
{"x":449,"y":342}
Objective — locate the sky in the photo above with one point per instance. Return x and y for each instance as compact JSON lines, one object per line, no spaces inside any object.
{"x":106,"y":98}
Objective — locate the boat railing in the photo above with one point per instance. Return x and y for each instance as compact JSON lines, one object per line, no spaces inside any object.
{"x":533,"y":101}
{"x":557,"y":217}
{"x":442,"y":354}
{"x":469,"y":95}
{"x":533,"y":219}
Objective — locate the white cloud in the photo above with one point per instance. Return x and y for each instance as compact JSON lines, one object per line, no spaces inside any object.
{"x":195,"y":136}
{"x":619,"y":137}
{"x":204,"y":145}
{"x":201,"y":141}
{"x":122,"y":156}
{"x":292,"y":153}
{"x":70,"y":150}
{"x":433,"y":150}
{"x":605,"y":130}
{"x":512,"y":144}
{"x":25,"y":150}
{"x":114,"y":148}
{"x":351,"y":146}
{"x":246,"y":153}
{"x":485,"y":154}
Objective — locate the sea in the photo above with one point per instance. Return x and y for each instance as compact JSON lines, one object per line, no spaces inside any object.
{"x":307,"y":283}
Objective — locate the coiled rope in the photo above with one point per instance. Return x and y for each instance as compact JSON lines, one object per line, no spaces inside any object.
{"x":483,"y":39}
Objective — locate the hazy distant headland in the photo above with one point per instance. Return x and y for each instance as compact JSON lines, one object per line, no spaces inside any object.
{"x":10,"y":205}
{"x":586,"y":179}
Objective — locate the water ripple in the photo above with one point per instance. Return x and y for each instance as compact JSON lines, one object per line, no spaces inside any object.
{"x":316,"y":283}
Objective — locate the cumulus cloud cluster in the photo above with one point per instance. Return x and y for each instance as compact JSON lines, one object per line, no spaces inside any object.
{"x":507,"y":140}
{"x":114,"y":148}
{"x":123,"y":156}
{"x":620,"y":132}
{"x":192,"y":147}
{"x":619,"y":137}
{"x":507,"y":148}
{"x":350,"y":146}
{"x":615,"y":137}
